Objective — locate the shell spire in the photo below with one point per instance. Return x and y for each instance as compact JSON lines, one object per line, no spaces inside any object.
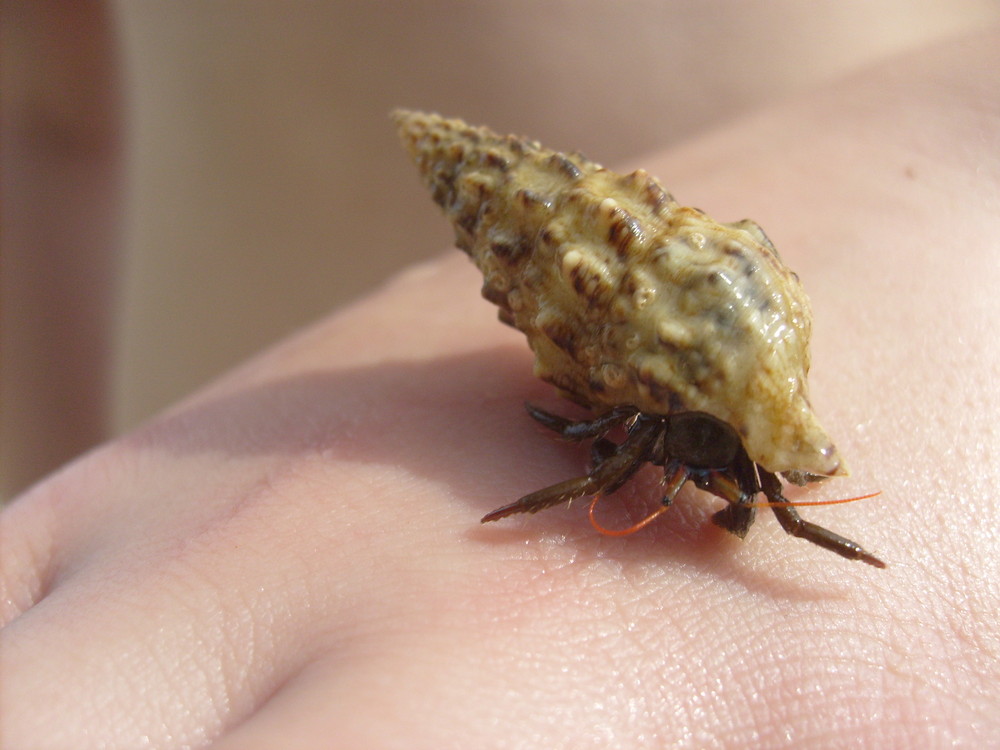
{"x":626,"y":297}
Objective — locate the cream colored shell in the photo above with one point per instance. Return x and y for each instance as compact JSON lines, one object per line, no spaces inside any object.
{"x":626,"y":297}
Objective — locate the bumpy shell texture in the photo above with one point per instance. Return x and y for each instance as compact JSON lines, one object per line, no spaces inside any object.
{"x":626,"y":297}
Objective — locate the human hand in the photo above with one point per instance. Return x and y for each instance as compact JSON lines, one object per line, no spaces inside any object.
{"x":291,"y":557}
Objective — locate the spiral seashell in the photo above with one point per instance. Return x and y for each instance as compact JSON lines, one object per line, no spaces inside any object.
{"x":627,"y":297}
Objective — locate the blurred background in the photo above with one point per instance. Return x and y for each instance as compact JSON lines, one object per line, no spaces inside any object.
{"x":185,"y":181}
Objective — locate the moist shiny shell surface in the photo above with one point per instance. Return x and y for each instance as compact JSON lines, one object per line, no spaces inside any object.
{"x":625,"y":296}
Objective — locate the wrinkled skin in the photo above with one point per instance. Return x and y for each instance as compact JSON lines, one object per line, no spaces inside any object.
{"x":292,"y":557}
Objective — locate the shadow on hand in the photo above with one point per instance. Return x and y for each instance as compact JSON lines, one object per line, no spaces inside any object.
{"x":460,"y":421}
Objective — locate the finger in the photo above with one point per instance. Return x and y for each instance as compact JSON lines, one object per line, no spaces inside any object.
{"x":50,"y":530}
{"x":299,"y":714}
{"x":26,"y":555}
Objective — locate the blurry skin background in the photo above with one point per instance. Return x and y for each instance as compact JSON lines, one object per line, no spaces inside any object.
{"x":186,"y":181}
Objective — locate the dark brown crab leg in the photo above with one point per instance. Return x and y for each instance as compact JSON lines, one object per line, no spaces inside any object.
{"x":570,"y":430}
{"x":609,"y":474}
{"x":739,"y":515}
{"x":675,"y":476}
{"x":737,"y":484}
{"x":793,"y":524}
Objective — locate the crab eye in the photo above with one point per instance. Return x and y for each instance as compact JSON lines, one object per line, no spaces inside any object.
{"x":700,"y":440}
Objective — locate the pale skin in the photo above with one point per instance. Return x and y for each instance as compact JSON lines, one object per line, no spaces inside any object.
{"x":292,"y":556}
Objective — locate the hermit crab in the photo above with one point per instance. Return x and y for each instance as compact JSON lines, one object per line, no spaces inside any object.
{"x":687,"y":338}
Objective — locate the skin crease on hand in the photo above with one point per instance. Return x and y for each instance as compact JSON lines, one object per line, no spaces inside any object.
{"x":292,"y":558}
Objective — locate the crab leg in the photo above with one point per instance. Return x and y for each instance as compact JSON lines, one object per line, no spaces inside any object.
{"x":570,"y":430}
{"x":609,"y":474}
{"x":793,"y":524}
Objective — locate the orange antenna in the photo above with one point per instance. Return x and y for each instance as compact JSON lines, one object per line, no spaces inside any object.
{"x":664,"y":508}
{"x":622,"y":532}
{"x":800,"y":503}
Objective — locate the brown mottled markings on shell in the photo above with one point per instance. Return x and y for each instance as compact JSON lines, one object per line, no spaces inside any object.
{"x":756,"y":231}
{"x":456,"y":151}
{"x":494,"y":295}
{"x":532,"y":200}
{"x":443,"y":185}
{"x":566,"y":385}
{"x":596,"y":383}
{"x":516,"y":145}
{"x":734,"y":250}
{"x":506,"y":317}
{"x":467,"y":222}
{"x":550,"y":235}
{"x":656,"y":196}
{"x":630,"y":283}
{"x":668,"y":342}
{"x":560,"y":334}
{"x":660,"y":392}
{"x":564,"y":165}
{"x":625,"y":229}
{"x":511,"y":252}
{"x":649,"y":188}
{"x":471,"y":195}
{"x":515,"y":299}
{"x":588,"y":283}
{"x":495,"y":160}
{"x":746,"y":264}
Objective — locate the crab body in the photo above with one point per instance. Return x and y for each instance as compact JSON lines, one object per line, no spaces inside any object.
{"x":631,"y":301}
